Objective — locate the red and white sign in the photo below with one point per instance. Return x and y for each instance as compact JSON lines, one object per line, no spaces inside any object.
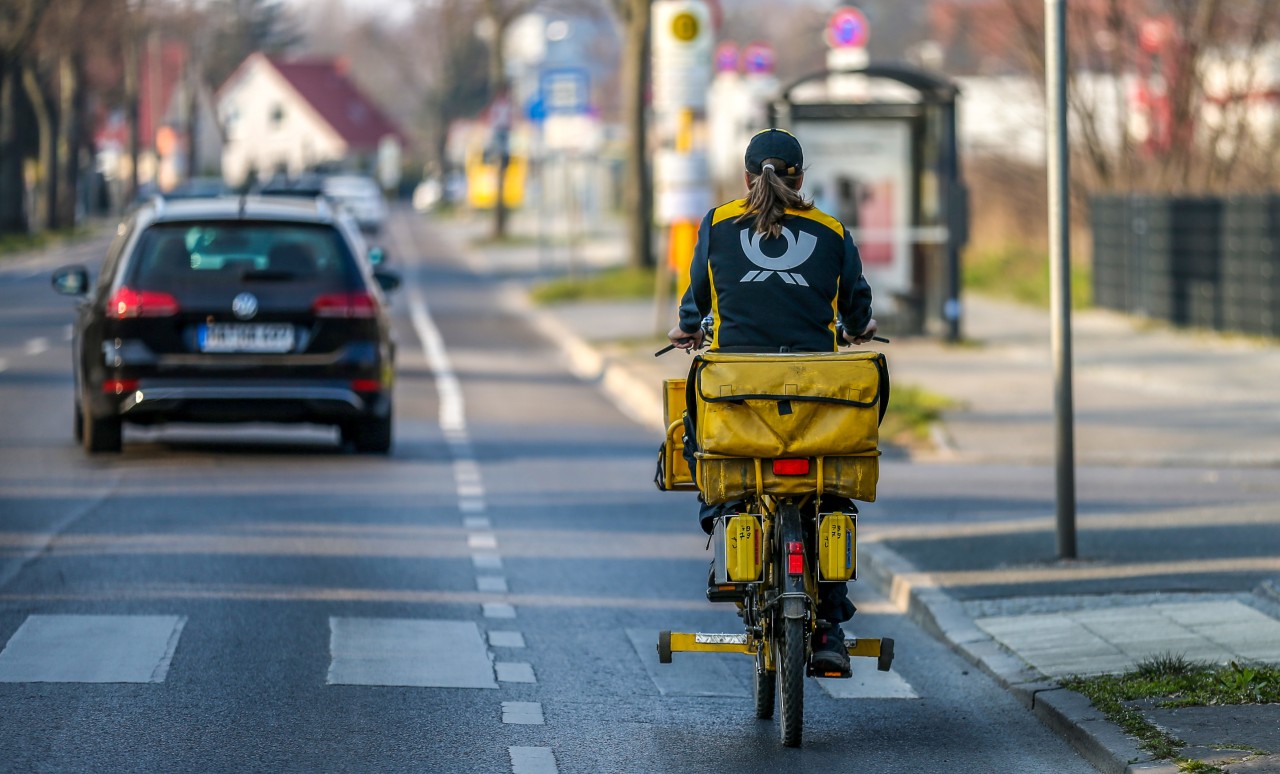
{"x":847,"y":28}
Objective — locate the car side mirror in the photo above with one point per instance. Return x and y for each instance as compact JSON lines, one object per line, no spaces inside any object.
{"x":387,"y":280}
{"x":377,"y":256}
{"x":71,"y":280}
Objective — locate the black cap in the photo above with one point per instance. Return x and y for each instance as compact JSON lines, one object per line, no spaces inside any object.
{"x":774,"y":144}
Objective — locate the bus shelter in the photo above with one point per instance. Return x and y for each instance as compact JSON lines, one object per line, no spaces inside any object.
{"x":884,"y":161}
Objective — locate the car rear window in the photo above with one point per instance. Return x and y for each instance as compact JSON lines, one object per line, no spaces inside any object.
{"x":238,"y":251}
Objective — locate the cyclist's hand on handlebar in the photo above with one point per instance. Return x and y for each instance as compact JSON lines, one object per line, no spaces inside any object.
{"x":867,"y":334}
{"x":686,"y":341}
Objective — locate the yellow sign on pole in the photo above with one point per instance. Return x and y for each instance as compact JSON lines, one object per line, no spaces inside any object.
{"x":684,"y":27}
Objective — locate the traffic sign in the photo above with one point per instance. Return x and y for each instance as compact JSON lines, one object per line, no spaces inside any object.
{"x":565,"y":90}
{"x":684,"y":27}
{"x":758,"y":58}
{"x":847,"y":28}
{"x":727,"y":57}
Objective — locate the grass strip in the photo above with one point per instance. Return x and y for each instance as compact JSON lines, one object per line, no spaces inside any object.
{"x":1174,"y":681}
{"x":608,"y":285}
{"x":912,"y":412}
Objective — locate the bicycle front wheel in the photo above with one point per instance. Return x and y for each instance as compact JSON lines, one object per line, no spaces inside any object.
{"x":791,"y":667}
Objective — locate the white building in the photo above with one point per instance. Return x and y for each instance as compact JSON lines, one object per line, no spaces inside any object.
{"x":290,"y":116}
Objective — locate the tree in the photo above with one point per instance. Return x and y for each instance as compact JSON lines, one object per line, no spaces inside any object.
{"x":635,"y":18}
{"x":19,"y":20}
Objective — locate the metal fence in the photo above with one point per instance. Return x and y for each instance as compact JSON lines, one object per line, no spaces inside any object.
{"x":1209,"y":262}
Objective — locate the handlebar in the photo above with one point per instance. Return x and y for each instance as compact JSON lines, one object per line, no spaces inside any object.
{"x":708,"y":331}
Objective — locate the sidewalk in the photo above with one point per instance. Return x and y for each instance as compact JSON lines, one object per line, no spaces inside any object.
{"x":1178,"y":433}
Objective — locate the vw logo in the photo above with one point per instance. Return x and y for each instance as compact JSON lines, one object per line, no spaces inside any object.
{"x":244,"y":306}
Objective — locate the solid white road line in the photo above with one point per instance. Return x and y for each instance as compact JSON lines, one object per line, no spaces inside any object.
{"x":867,"y":683}
{"x":91,"y":649}
{"x":420,"y":653}
{"x":482,"y":540}
{"x":3,"y":364}
{"x":527,"y":713}
{"x":532,"y":760}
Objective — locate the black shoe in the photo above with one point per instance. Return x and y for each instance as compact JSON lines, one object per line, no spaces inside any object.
{"x":829,"y":653}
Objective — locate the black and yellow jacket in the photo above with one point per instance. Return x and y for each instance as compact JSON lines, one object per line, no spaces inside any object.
{"x":764,"y":294}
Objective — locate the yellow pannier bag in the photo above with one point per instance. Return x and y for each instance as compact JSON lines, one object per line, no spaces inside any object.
{"x":789,"y":405}
{"x":673,"y":469}
{"x":722,"y":479}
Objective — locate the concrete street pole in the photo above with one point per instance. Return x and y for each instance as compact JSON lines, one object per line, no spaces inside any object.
{"x":1055,"y":72}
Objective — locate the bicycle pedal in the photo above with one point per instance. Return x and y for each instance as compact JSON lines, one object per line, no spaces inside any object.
{"x":811,"y":672}
{"x":726,"y":593}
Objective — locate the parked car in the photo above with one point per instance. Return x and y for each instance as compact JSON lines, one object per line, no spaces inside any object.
{"x":233,"y":310}
{"x":198,"y":188}
{"x":362,"y":196}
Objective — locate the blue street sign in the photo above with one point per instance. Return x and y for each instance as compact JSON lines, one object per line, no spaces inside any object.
{"x":565,"y":91}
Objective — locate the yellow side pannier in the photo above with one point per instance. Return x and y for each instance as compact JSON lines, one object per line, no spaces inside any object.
{"x":673,"y":469}
{"x":789,"y":405}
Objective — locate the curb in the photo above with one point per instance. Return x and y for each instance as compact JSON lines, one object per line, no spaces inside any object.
{"x":1067,"y":713}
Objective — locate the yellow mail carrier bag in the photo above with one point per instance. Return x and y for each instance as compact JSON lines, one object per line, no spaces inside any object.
{"x":789,"y":405}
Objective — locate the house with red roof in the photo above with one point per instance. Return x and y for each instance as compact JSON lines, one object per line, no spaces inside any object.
{"x":291,"y":116}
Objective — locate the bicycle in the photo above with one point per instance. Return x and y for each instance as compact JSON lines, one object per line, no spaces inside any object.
{"x":772,"y":554}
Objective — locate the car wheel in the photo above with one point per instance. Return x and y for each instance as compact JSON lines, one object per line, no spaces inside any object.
{"x":79,"y":426}
{"x":102,"y":435}
{"x":370,"y":436}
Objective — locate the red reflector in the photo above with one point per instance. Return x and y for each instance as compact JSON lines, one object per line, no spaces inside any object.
{"x":119,"y":386}
{"x":347,"y":305}
{"x":366,"y":385}
{"x":798,"y":467}
{"x":126,"y":302}
{"x":795,"y":557}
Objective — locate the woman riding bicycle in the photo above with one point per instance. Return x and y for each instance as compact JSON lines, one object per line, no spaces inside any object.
{"x":776,"y":274}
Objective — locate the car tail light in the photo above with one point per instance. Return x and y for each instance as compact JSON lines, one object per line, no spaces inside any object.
{"x":119,"y":386}
{"x":366,"y":385}
{"x":356,"y":303}
{"x":798,"y":467}
{"x":795,"y":558}
{"x":127,"y":302}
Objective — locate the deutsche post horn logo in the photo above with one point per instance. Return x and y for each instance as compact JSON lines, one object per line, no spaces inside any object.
{"x":798,"y":251}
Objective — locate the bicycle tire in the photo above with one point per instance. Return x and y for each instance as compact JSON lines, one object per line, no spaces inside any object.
{"x":791,"y":666}
{"x":766,"y":688}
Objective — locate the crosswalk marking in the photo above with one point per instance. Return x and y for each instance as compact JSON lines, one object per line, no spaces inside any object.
{"x":91,"y":649}
{"x":419,"y":653}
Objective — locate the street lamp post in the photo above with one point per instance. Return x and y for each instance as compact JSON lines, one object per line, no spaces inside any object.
{"x":1060,"y":270}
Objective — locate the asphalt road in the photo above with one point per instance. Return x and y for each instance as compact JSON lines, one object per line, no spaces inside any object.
{"x":486,"y":599}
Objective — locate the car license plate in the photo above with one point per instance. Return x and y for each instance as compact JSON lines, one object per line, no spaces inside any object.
{"x":246,"y":337}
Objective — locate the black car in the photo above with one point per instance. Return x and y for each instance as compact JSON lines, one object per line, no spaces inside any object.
{"x":233,"y":310}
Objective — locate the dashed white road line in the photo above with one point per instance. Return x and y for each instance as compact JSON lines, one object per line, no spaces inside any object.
{"x":3,"y":364}
{"x":527,"y":713}
{"x":492,"y":584}
{"x":479,"y":540}
{"x":487,"y":561}
{"x":505,"y":639}
{"x":514,"y":672}
{"x":532,"y":760}
{"x":36,"y":346}
{"x":499,"y":610}
{"x":477,"y":522}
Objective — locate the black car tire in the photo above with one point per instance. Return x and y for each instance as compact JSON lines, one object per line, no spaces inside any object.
{"x":102,"y":435}
{"x":79,"y":427}
{"x":371,"y":435}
